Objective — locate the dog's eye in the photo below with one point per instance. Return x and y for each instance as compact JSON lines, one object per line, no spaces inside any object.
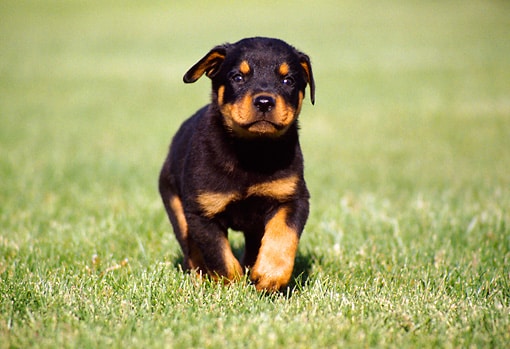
{"x":289,"y":81}
{"x":237,"y":78}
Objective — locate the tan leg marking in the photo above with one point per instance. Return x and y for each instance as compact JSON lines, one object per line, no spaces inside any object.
{"x":275,"y":262}
{"x":232,"y":265}
{"x":176,"y":206}
{"x":192,"y":256}
{"x":211,"y":204}
{"x":233,"y":269}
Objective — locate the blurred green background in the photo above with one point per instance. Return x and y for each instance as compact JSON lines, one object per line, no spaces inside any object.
{"x":412,"y":95}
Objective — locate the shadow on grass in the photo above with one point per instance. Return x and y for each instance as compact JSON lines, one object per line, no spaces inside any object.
{"x":300,"y":276}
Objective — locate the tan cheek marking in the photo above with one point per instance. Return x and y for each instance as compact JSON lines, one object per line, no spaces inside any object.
{"x":280,"y":189}
{"x":213,"y":203}
{"x":238,"y":113}
{"x":275,"y":262}
{"x":285,"y":114}
{"x":243,"y":110}
{"x":244,"y":68}
{"x":221,"y":94}
{"x":283,"y":69}
{"x":300,"y":102}
{"x":227,"y":111}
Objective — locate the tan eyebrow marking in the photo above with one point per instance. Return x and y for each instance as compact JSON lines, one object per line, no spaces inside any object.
{"x":284,"y":69}
{"x":244,"y":67}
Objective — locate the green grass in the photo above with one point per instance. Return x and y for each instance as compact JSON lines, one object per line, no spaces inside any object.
{"x":407,"y":158}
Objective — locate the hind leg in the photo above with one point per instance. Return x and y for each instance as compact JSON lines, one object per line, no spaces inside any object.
{"x":209,"y":251}
{"x":192,"y":257}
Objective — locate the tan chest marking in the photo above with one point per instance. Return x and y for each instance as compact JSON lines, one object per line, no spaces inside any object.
{"x":281,"y":189}
{"x":213,"y":203}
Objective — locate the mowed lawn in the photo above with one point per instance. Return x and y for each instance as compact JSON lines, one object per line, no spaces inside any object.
{"x":407,"y":156}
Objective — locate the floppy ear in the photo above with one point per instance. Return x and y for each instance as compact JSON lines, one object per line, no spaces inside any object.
{"x":209,"y":65}
{"x":304,"y":60}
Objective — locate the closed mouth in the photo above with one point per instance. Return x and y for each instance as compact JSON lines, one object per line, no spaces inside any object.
{"x":262,"y":123}
{"x":262,"y":126}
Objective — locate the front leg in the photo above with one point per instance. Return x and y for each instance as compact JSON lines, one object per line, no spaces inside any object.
{"x":213,"y":248}
{"x":275,"y":261}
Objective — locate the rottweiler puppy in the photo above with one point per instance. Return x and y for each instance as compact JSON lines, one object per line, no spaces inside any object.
{"x":237,"y":164}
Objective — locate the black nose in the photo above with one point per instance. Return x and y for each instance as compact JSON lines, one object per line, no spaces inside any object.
{"x":264,"y":103}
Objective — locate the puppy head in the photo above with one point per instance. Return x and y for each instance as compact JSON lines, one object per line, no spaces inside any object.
{"x":258,"y":85}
